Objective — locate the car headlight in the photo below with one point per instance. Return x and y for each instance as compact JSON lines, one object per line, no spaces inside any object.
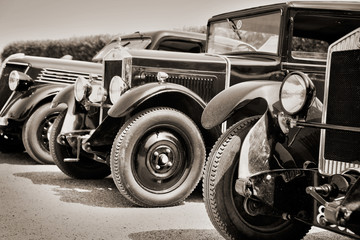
{"x":19,"y":81}
{"x":296,"y":93}
{"x":14,"y":80}
{"x":81,"y":88}
{"x":97,"y":94}
{"x":117,"y":87}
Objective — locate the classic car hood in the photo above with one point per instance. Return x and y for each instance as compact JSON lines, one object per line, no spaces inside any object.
{"x":202,"y":61}
{"x":56,"y":63}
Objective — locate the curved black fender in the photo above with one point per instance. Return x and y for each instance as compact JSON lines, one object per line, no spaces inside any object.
{"x":72,"y":119}
{"x":150,"y":95}
{"x":66,"y":95}
{"x":138,"y":95}
{"x":23,"y":105}
{"x":223,"y":105}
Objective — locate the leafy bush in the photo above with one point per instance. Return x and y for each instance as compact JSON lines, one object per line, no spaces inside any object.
{"x":80,"y":48}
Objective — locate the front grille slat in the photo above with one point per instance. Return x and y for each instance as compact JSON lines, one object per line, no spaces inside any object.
{"x":200,"y":84}
{"x":343,"y":106}
{"x":340,"y":149}
{"x":60,"y":76}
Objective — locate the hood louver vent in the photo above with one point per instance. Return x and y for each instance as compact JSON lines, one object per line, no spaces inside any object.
{"x":56,"y":76}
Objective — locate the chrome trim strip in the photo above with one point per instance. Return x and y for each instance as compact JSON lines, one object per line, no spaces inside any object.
{"x":6,"y":103}
{"x":54,"y":82}
{"x":49,"y":75}
{"x":302,"y":65}
{"x":227,"y":81}
{"x":51,"y":80}
{"x":228,"y":68}
{"x":331,"y":167}
{"x":17,"y":63}
{"x":65,"y":71}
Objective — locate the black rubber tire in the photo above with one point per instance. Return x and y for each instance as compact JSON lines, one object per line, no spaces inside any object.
{"x":35,"y":133}
{"x":157,"y":133}
{"x":86,"y":168}
{"x":224,"y":206}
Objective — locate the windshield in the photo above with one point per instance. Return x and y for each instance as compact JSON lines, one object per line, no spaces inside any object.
{"x":260,"y":33}
{"x":128,"y":43}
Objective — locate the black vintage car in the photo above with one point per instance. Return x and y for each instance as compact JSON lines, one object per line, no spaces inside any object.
{"x":28,"y":84}
{"x":256,"y":186}
{"x":142,"y":120}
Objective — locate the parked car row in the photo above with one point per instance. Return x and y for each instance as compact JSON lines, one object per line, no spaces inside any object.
{"x":270,"y":78}
{"x":29,"y":83}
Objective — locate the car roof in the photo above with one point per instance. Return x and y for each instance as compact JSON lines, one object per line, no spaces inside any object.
{"x":321,"y":5}
{"x":164,"y":33}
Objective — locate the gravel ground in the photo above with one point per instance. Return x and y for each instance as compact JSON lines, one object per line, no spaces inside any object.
{"x":40,"y":202}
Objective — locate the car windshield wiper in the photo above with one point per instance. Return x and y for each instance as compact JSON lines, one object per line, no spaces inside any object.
{"x":233,"y":27}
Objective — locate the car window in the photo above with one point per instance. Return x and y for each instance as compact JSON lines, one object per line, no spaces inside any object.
{"x":308,"y":48}
{"x":313,"y":32}
{"x":259,"y":33}
{"x":180,"y":46}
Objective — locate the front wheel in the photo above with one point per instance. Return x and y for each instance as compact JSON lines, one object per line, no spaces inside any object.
{"x":225,"y":207}
{"x":36,"y":133}
{"x":157,"y":157}
{"x":86,"y":168}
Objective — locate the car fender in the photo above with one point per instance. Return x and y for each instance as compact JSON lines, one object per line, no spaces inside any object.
{"x":23,"y":105}
{"x":66,"y":96}
{"x":73,"y":118}
{"x":138,"y":95}
{"x":223,"y":105}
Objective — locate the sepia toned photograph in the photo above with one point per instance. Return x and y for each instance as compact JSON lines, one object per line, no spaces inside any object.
{"x":204,"y":120}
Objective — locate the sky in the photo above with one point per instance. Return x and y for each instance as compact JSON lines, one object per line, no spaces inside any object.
{"x":22,"y":20}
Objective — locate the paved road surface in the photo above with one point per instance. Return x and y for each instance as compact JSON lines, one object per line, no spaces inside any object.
{"x":40,"y":202}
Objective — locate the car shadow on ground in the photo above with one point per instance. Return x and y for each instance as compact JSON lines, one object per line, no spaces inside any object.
{"x":178,"y":234}
{"x":212,"y":234}
{"x":99,"y":193}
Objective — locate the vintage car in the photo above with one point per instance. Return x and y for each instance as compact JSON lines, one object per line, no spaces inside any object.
{"x":255,"y":186}
{"x":28,"y":84}
{"x":142,"y":121}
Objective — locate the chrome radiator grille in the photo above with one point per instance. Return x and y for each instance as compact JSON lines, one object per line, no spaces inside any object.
{"x":56,"y":76}
{"x":340,"y":149}
{"x":199,"y":83}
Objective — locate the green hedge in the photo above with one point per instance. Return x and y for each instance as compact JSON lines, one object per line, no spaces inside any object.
{"x":80,"y":48}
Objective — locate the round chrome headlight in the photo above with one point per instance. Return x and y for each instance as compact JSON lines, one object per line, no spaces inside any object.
{"x":98,"y":94}
{"x":296,"y":93}
{"x":80,"y":88}
{"x":14,"y":80}
{"x":117,"y":87}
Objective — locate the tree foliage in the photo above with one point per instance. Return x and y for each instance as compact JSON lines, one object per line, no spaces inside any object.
{"x":80,"y":48}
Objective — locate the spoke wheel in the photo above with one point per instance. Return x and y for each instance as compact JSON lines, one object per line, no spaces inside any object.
{"x":157,"y":157}
{"x":229,"y":211}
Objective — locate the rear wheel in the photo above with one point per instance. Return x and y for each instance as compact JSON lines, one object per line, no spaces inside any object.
{"x":36,"y":133}
{"x":157,"y":157}
{"x":225,"y":207}
{"x":86,"y":168}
